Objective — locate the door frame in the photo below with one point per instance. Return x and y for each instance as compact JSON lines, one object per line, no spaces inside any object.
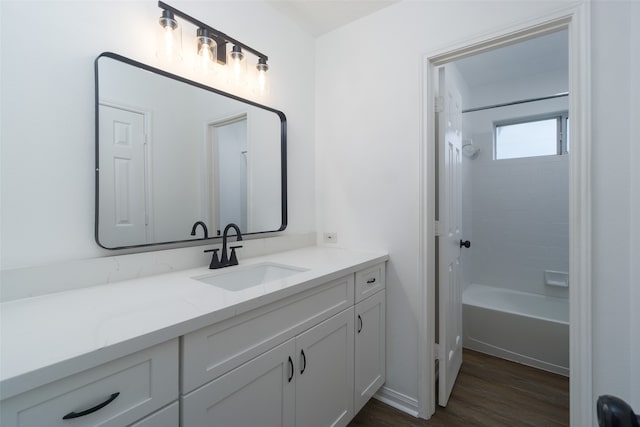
{"x":576,"y":19}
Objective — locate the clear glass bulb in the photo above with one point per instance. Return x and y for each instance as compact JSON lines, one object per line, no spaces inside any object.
{"x":205,"y":57}
{"x":262,"y":81}
{"x":237,"y":69}
{"x":168,"y":42}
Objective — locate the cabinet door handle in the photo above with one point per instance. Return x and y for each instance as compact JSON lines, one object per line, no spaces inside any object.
{"x":359,"y":323}
{"x":304,"y":362}
{"x":72,"y":415}
{"x":291,"y":365}
{"x":373,"y":280}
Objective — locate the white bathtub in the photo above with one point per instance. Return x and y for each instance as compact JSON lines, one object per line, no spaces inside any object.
{"x":526,"y":328}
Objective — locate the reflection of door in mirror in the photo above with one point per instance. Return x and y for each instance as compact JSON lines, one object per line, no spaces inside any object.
{"x":228,"y":175}
{"x":124,"y":192}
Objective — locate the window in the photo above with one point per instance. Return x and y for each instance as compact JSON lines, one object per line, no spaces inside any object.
{"x":534,"y":136}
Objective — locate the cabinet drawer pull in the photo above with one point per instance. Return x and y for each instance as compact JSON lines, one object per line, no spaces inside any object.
{"x":304,"y":362}
{"x":373,"y":280}
{"x":291,"y":365}
{"x":72,"y":415}
{"x":359,"y":323}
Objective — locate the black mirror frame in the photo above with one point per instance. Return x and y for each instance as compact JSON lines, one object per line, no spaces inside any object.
{"x":283,"y":149}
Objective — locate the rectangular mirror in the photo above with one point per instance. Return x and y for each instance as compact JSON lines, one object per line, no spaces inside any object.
{"x":171,"y":152}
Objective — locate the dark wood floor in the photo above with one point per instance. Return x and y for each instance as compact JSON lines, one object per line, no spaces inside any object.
{"x":488,"y":392}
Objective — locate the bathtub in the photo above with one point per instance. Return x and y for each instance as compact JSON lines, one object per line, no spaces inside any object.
{"x":526,"y":328}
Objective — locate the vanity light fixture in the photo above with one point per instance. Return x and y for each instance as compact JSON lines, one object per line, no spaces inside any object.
{"x":212,"y":47}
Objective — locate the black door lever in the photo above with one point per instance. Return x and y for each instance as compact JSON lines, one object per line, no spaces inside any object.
{"x":465,"y":243}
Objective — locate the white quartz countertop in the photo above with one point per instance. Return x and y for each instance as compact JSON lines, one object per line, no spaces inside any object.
{"x":49,"y":337}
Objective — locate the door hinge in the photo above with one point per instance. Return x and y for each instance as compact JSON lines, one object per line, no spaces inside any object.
{"x":436,"y":351}
{"x":437,"y":228}
{"x":439,"y":104}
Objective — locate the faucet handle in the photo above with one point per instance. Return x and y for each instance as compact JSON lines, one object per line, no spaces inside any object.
{"x":215,"y":263}
{"x":233,"y":259}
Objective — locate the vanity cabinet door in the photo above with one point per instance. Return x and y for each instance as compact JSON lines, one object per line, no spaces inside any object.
{"x":259,"y":393}
{"x":369,"y":348}
{"x":324,"y":373}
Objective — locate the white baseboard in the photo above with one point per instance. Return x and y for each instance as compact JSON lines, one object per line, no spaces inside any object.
{"x":397,"y":400}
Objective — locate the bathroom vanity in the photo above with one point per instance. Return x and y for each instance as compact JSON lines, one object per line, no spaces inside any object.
{"x":294,"y":338}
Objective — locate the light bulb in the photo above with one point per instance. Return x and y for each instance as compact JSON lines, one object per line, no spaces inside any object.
{"x":168,"y":41}
{"x":205,"y":56}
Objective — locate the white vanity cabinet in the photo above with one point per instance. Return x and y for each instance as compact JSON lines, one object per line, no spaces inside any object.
{"x":306,"y":381}
{"x":297,"y":362}
{"x":116,"y":394}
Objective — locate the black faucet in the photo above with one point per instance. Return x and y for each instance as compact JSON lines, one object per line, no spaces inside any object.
{"x":226,"y":260}
{"x":204,"y":227}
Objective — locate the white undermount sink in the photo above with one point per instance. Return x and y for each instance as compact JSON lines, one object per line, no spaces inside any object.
{"x":249,"y":276}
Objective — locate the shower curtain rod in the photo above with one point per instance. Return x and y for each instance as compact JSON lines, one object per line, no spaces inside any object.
{"x":523,"y":101}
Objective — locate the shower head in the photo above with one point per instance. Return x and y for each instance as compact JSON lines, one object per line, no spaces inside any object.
{"x":470,"y":151}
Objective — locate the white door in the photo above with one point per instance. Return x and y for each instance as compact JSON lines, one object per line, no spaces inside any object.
{"x":370,"y":348}
{"x":259,"y":393}
{"x":450,"y":219}
{"x":122,"y":215}
{"x":324,"y":373}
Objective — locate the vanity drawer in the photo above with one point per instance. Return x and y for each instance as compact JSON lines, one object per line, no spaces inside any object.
{"x":215,"y":350}
{"x":145,"y":381}
{"x":369,"y":281}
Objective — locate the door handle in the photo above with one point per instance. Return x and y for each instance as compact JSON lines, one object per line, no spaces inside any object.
{"x":304,"y":362}
{"x":72,"y":415}
{"x":359,"y":323}
{"x":291,"y":365}
{"x":465,"y":243}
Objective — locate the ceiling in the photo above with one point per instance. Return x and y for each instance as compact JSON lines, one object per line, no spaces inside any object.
{"x":539,"y":55}
{"x":321,"y":16}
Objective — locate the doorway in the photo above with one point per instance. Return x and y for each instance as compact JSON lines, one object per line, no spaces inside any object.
{"x":503,"y":165}
{"x":575,"y":21}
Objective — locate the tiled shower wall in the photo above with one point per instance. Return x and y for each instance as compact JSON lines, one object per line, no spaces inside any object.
{"x":516,"y":210}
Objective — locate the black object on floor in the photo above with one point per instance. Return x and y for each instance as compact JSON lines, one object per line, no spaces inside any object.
{"x":615,"y":412}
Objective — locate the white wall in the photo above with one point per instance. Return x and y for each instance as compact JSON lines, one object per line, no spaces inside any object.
{"x":368,"y":106}
{"x":517,"y":208}
{"x":634,"y":288}
{"x":48,"y":110}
